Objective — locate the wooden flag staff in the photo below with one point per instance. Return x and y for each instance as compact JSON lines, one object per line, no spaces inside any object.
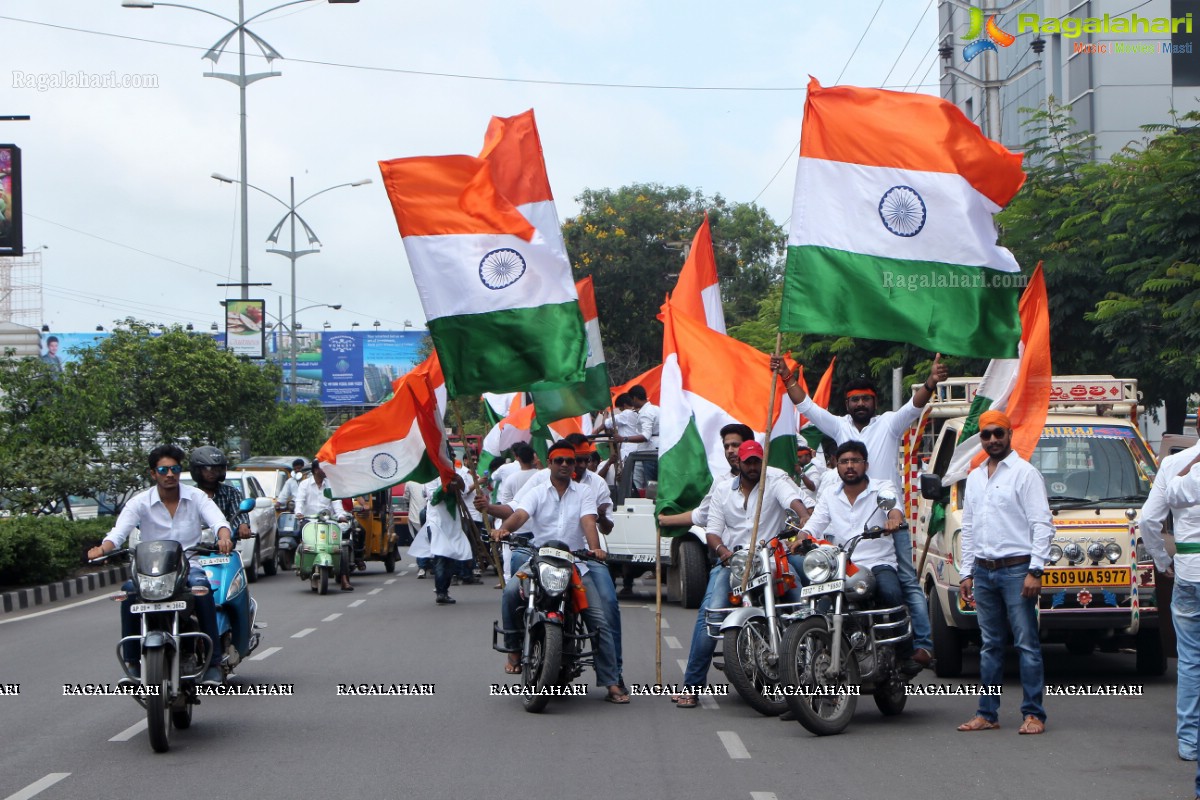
{"x":762,"y":477}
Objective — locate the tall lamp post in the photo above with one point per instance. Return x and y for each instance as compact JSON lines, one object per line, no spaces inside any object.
{"x":240,"y":80}
{"x":291,"y":329}
{"x":291,"y":217}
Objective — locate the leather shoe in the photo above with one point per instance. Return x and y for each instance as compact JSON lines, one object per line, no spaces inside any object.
{"x":922,"y":657}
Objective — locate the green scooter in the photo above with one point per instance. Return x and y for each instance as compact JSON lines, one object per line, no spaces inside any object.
{"x":320,"y":553}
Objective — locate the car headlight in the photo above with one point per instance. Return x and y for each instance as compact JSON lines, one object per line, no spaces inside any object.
{"x":1095,"y":552}
{"x":554,"y":579}
{"x":737,"y":567}
{"x":1112,"y":551}
{"x":819,"y":564}
{"x":1056,"y":554}
{"x":157,"y":587}
{"x":1073,"y":552}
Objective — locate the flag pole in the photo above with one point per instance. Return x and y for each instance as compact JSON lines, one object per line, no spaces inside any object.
{"x":762,"y":478}
{"x":487,"y":527}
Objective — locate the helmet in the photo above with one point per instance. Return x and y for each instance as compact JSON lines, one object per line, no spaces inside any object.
{"x":206,"y":456}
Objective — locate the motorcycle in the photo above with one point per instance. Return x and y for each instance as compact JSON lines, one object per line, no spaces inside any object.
{"x":321,"y":551}
{"x":174,"y":652}
{"x":555,"y":643}
{"x":288,"y":540}
{"x":753,"y":628}
{"x":837,"y":646}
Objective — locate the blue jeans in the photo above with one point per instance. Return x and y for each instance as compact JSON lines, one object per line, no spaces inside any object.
{"x":999,"y":606}
{"x":607,"y":590}
{"x":1185,"y":612}
{"x":443,"y":570}
{"x":914,"y":598}
{"x":716,"y":595}
{"x":206,"y":615}
{"x":888,"y":594}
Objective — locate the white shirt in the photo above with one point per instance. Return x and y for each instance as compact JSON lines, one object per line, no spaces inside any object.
{"x":415,"y":492}
{"x":552,"y":516}
{"x":290,"y":488}
{"x":1006,"y":514}
{"x":830,"y":480}
{"x":1156,"y":508}
{"x":311,"y":500}
{"x":500,"y":474}
{"x":626,"y":421}
{"x":146,"y":511}
{"x":647,"y":425}
{"x":468,"y":495}
{"x":814,"y":471}
{"x":446,"y":537}
{"x":731,"y":514}
{"x":881,"y":435}
{"x":512,"y":484}
{"x":838,"y":520}
{"x":601,"y":493}
{"x":1183,"y":495}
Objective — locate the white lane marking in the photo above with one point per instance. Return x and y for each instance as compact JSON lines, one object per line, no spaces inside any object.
{"x":332,"y":617}
{"x":709,"y":702}
{"x":376,"y":591}
{"x":303,"y":633}
{"x":130,"y":732}
{"x":390,"y":581}
{"x":682,"y":662}
{"x":672,"y":643}
{"x":37,"y":787}
{"x":763,"y":796}
{"x":733,"y":744}
{"x":107,"y":595}
{"x":665,"y":624}
{"x":402,"y":574}
{"x":270,"y":651}
{"x":356,"y":604}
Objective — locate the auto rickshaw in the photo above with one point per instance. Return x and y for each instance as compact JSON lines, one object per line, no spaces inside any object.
{"x":375,"y":539}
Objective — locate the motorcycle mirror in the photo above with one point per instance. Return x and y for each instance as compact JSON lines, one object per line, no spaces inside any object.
{"x":887,"y":499}
{"x":206,"y":536}
{"x":246,"y":505}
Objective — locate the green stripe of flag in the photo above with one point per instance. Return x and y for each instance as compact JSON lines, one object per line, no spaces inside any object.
{"x":561,"y":402}
{"x":683,"y":476}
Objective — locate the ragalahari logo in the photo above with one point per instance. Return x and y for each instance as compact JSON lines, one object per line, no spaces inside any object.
{"x":991,"y":31}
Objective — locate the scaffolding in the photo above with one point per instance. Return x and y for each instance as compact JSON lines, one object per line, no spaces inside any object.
{"x":21,"y":289}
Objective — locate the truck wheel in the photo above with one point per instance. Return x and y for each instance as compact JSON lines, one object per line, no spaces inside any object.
{"x":693,"y":573}
{"x":1151,"y":659}
{"x":947,"y":642}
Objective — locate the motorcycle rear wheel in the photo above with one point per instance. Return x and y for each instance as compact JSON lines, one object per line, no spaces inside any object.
{"x":181,"y":718}
{"x":541,"y":667}
{"x":805,"y":657}
{"x":746,"y":649}
{"x":158,"y":720}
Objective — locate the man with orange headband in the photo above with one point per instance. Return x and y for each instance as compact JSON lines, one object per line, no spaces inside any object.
{"x":1006,"y":534}
{"x":881,"y":434}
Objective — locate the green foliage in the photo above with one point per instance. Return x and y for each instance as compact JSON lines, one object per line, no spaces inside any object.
{"x":296,"y":428}
{"x":37,"y":550}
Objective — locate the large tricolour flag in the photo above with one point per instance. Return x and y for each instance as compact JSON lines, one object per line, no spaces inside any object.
{"x":892,"y":225}
{"x":401,"y":440}
{"x":698,"y":290}
{"x":498,"y":294}
{"x":558,"y":401}
{"x":1020,"y":387}
{"x":708,"y":381}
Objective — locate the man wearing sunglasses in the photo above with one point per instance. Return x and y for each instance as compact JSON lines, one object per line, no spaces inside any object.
{"x":1006,"y":534}
{"x":175,"y":511}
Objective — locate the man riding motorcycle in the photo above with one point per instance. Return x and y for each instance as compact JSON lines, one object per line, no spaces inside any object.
{"x":311,"y":501}
{"x":208,"y":466}
{"x":174,"y":511}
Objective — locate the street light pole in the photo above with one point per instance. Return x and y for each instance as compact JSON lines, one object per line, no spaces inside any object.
{"x":292,"y":330}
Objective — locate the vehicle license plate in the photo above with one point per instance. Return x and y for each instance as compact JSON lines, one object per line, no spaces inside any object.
{"x":757,"y":581}
{"x":554,"y":552}
{"x":150,"y":608}
{"x":822,"y":588}
{"x":1085,"y":576}
{"x":204,"y":562}
{"x":642,"y":558}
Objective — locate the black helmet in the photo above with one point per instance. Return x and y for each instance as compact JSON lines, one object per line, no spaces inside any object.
{"x":206,"y":456}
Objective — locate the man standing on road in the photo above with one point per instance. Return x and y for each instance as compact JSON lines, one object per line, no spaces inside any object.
{"x":881,"y":435}
{"x":730,"y":522}
{"x":1006,"y":533}
{"x":1177,"y":487}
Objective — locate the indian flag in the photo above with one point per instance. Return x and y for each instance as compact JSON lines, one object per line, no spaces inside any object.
{"x":431,"y":368}
{"x":556,"y":402}
{"x":821,"y":397}
{"x":892,"y":225}
{"x":650,"y":380}
{"x":698,"y":290}
{"x":708,"y":381}
{"x":513,"y":427}
{"x":401,"y":440}
{"x":1020,"y":387}
{"x":498,"y":295}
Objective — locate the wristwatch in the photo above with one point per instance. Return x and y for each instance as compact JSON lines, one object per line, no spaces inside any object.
{"x":1037,"y":573}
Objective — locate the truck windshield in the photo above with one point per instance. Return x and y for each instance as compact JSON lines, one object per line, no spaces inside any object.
{"x":1098,"y":466}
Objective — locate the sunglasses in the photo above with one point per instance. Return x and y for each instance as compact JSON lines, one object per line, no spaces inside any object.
{"x":173,"y":470}
{"x":850,"y":462}
{"x":562,"y":461}
{"x":992,"y":433}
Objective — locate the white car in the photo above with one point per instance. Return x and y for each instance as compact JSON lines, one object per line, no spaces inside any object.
{"x":260,"y":549}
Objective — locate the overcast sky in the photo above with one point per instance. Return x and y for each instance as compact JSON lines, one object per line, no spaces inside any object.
{"x":117,"y":185}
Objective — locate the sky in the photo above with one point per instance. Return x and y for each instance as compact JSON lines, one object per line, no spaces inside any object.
{"x":117,"y":180}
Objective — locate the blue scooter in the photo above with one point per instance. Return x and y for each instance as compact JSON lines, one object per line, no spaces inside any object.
{"x":236,"y":609}
{"x":287,"y":541}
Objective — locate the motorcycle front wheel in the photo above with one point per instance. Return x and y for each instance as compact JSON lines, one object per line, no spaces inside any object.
{"x":747,"y":650}
{"x":323,"y":587}
{"x":823,"y":705}
{"x":891,"y":697}
{"x":158,"y":709}
{"x":541,"y":666}
{"x":181,"y":718}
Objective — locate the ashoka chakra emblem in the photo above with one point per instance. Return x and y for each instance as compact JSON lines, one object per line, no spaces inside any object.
{"x":384,"y":465}
{"x":902,"y":211}
{"x":501,"y":268}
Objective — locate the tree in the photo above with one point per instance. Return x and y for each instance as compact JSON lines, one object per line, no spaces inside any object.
{"x":629,"y":241}
{"x":295,"y":429}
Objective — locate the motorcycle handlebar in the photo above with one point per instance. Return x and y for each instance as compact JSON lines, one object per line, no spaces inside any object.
{"x":124,"y":551}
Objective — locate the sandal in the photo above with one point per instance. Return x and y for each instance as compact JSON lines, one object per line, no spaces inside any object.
{"x":619,"y":697}
{"x":978,"y":723}
{"x":1032,"y":726}
{"x":513,"y":665}
{"x":685,"y":701}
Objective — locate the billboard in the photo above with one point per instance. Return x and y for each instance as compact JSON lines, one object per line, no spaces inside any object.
{"x":10,"y":201}
{"x":245,"y":333}
{"x":62,"y":348}
{"x":349,"y":368}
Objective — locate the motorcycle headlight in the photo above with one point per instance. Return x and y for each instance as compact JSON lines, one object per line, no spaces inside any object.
{"x":1112,"y":551}
{"x":1056,"y":554}
{"x":860,"y":586}
{"x":820,"y":564}
{"x":737,"y":567}
{"x":553,"y":579}
{"x":236,"y":585}
{"x":158,"y":587}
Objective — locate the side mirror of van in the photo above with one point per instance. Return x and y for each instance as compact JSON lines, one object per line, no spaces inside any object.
{"x":931,"y":487}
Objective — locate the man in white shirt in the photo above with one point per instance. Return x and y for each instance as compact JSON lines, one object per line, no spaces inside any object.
{"x":516,"y":474}
{"x":292,"y":485}
{"x":845,"y":512}
{"x":1005,"y":540}
{"x":169,"y":510}
{"x":624,"y":423}
{"x":311,"y":501}
{"x":564,"y":510}
{"x":646,"y":437}
{"x":730,"y":524}
{"x":809,"y":471}
{"x":881,"y":434}
{"x":1177,"y":487}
